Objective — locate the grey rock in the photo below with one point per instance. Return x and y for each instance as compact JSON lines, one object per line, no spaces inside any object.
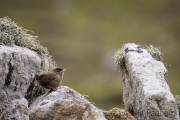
{"x":146,"y":94}
{"x":64,"y":104}
{"x":16,"y":110}
{"x":17,"y":68}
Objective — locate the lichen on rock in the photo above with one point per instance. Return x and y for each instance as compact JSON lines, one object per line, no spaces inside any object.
{"x":21,"y":56}
{"x":11,"y":34}
{"x":118,"y":114}
{"x":155,"y":52}
{"x":146,"y":94}
{"x":63,"y":104}
{"x":119,"y":61}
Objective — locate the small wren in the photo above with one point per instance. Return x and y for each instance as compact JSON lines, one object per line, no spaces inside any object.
{"x":51,"y":79}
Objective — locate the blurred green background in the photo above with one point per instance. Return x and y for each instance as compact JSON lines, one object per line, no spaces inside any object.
{"x":82,"y":36}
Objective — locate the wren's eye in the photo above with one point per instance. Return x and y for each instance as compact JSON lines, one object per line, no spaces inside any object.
{"x":58,"y":69}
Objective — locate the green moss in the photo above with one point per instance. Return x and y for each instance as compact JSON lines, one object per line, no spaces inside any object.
{"x":11,"y":34}
{"x":157,"y":55}
{"x":120,"y":61}
{"x":155,"y":52}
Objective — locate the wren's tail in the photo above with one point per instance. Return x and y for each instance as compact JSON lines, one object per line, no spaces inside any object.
{"x":36,"y":76}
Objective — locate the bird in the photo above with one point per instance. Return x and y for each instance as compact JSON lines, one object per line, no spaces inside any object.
{"x":51,"y":79}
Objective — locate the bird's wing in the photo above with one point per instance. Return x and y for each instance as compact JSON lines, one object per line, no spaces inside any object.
{"x":46,"y":77}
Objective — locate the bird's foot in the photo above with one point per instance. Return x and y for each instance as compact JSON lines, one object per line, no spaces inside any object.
{"x":55,"y":89}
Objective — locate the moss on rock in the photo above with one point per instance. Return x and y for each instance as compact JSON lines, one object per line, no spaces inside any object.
{"x":155,"y":52}
{"x":11,"y":34}
{"x":120,"y":61}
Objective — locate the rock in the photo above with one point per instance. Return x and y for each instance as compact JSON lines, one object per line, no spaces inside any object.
{"x":16,"y":110}
{"x":67,"y":104}
{"x":17,"y":68}
{"x":146,"y":94}
{"x":22,"y":56}
{"x":64,"y":104}
{"x":118,"y":114}
{"x":177,"y":97}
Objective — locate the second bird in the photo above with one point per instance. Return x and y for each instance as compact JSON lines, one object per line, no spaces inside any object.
{"x":51,"y":79}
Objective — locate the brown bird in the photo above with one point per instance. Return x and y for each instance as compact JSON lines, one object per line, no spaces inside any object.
{"x":51,"y":79}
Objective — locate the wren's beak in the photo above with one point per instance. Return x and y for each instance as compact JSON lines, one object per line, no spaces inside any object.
{"x":64,"y":70}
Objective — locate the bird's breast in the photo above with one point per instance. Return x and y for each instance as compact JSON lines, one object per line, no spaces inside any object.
{"x":56,"y":82}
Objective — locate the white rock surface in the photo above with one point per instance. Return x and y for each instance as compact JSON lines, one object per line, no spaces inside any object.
{"x":17,"y":68}
{"x":146,"y":93}
{"x":16,"y":110}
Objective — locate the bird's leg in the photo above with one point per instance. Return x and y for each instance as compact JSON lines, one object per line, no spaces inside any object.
{"x":52,"y":88}
{"x":55,"y":89}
